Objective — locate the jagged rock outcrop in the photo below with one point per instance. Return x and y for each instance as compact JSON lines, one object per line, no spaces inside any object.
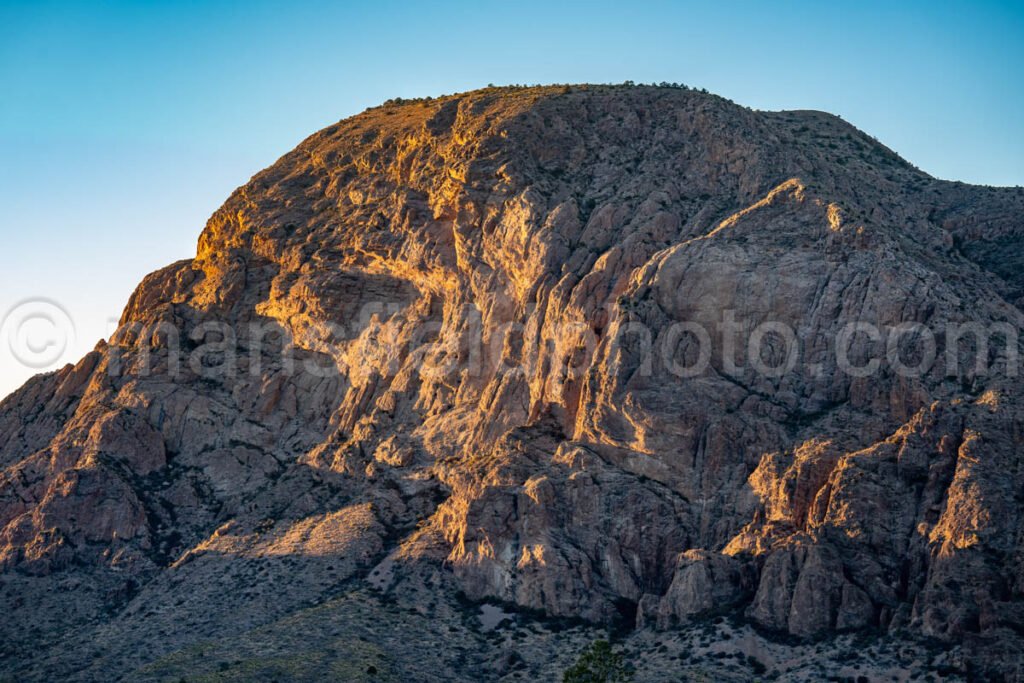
{"x":466,"y":333}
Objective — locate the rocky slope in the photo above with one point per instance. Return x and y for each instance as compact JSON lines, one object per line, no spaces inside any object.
{"x":450,"y":350}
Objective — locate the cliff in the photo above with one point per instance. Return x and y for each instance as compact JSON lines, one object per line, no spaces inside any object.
{"x":601,"y":353}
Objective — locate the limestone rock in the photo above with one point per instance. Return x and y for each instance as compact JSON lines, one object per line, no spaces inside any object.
{"x":458,"y":341}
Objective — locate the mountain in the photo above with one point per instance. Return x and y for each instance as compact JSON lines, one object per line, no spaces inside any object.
{"x":459,"y":384}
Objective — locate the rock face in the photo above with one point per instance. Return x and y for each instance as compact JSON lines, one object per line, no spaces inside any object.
{"x":581,"y":349}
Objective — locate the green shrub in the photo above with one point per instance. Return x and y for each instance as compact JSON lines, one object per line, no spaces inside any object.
{"x":598,"y":664}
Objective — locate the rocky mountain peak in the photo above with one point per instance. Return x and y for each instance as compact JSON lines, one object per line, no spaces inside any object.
{"x":630,"y":355}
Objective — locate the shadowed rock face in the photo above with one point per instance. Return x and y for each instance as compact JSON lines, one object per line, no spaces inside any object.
{"x":458,"y":334}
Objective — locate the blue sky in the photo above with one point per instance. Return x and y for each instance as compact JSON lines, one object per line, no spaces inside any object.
{"x":123,"y":125}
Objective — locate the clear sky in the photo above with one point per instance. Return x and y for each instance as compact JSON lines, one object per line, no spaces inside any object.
{"x":123,"y":125}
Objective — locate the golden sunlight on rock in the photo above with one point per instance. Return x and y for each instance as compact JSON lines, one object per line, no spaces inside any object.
{"x":627,"y":360}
